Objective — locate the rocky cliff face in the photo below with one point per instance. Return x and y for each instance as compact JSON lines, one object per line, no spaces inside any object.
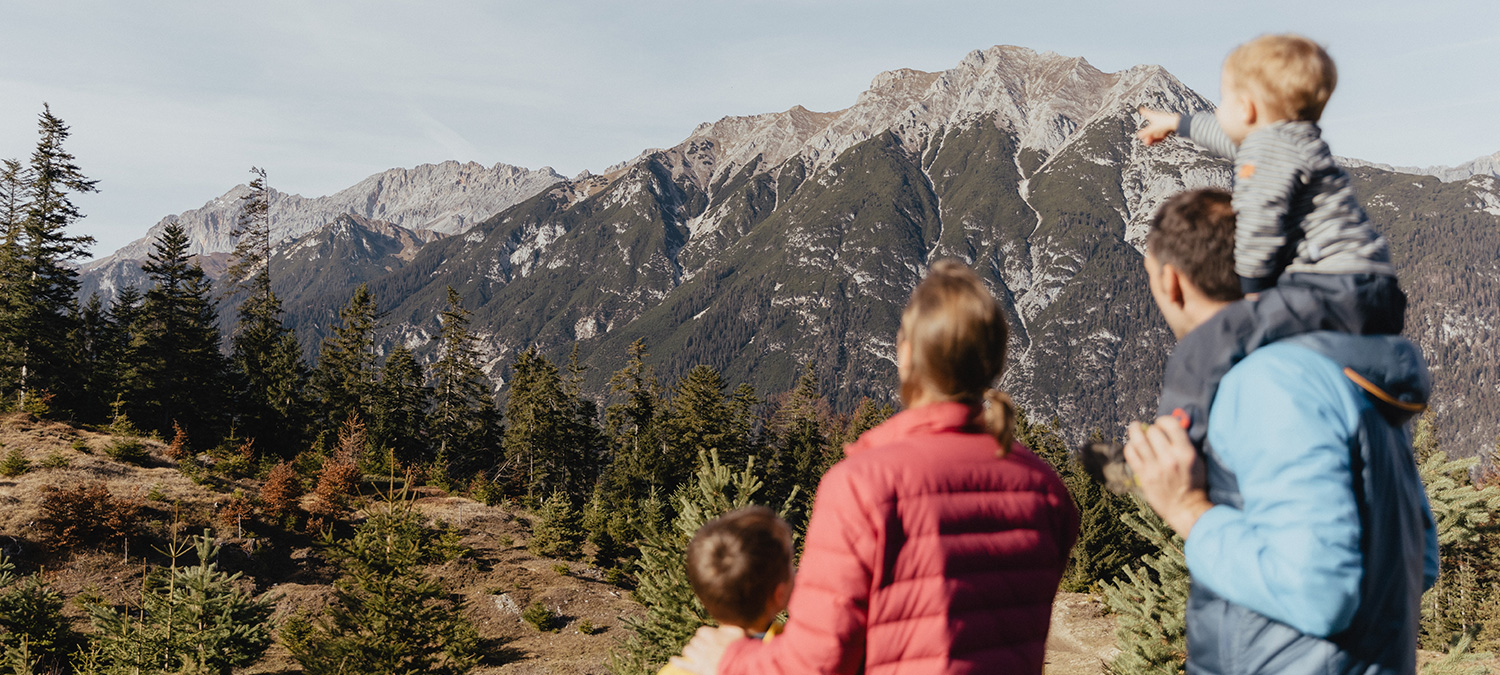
{"x":764,"y":242}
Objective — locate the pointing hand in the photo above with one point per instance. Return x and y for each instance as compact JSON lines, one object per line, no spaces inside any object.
{"x":1159,"y":125}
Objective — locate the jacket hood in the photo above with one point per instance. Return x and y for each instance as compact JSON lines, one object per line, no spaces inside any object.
{"x":1389,"y":368}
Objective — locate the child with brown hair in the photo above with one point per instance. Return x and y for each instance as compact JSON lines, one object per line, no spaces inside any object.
{"x":740,"y":565}
{"x":1304,"y":251}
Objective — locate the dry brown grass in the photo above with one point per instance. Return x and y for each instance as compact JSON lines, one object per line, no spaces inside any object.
{"x":497,"y":580}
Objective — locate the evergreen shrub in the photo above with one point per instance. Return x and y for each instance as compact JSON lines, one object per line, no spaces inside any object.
{"x":33,"y":631}
{"x":558,"y":532}
{"x":128,"y":450}
{"x":541,"y":618}
{"x":190,"y":619}
{"x":387,"y":616}
{"x":14,"y":464}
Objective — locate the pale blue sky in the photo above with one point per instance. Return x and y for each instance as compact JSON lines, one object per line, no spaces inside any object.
{"x":171,"y":103}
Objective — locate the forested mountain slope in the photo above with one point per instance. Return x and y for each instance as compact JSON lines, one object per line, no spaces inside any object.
{"x":763,"y":242}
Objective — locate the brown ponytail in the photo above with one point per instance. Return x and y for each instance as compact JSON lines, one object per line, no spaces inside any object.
{"x":957,"y":333}
{"x":1000,"y":418}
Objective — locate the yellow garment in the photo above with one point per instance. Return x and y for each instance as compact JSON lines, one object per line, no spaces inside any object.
{"x":771,"y":632}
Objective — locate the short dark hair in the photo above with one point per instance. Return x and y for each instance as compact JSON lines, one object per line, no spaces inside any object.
{"x":1194,"y":232}
{"x":735,"y":562}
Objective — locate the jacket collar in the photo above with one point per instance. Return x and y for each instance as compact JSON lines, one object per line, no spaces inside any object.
{"x":928,"y":419}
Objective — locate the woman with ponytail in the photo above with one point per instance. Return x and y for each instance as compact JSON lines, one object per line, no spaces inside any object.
{"x":937,"y":544}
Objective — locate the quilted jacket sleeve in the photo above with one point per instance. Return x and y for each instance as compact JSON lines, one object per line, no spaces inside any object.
{"x":829,"y":607}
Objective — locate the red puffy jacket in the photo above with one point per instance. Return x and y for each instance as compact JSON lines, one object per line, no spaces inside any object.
{"x":926,"y":553}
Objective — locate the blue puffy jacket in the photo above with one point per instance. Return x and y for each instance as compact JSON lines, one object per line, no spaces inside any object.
{"x":1396,"y":540}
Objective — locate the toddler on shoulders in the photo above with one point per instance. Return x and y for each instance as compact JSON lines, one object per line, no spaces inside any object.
{"x":1305,"y":253}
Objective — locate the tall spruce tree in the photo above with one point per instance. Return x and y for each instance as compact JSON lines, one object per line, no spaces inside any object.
{"x":267,"y":358}
{"x":401,"y":403}
{"x":465,"y":423}
{"x":699,"y":417}
{"x":632,"y":427}
{"x":12,"y":290}
{"x":798,"y":451}
{"x":343,"y":383}
{"x":42,"y":282}
{"x":537,"y":415}
{"x":1105,"y":542}
{"x":584,"y":444}
{"x":178,"y":372}
{"x":97,"y":341}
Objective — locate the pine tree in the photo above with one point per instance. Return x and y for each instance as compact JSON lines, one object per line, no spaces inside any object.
{"x":1453,"y":609}
{"x":799,"y":450}
{"x":1151,"y":602}
{"x":343,"y":382}
{"x":632,"y":429}
{"x":673,"y":612}
{"x":387,"y":615}
{"x":42,"y":281}
{"x":699,"y":417}
{"x":33,"y":629}
{"x":584,"y":446}
{"x":558,"y":532}
{"x":96,"y":348}
{"x":465,"y":423}
{"x":867,"y":415}
{"x":1105,"y":543}
{"x":178,"y":373}
{"x":401,"y":403}
{"x":188,"y":616}
{"x":267,"y":358}
{"x":537,"y":415}
{"x":610,"y":531}
{"x":13,"y":286}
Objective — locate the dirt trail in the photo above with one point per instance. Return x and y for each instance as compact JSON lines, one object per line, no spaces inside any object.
{"x":1082,"y":638}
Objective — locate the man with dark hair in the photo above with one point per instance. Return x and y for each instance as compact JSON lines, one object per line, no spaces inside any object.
{"x":1308,"y":534}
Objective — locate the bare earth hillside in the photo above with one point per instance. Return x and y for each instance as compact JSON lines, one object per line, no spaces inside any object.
{"x":497,"y":579}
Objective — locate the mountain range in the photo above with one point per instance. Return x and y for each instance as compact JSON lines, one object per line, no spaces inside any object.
{"x":762,"y":243}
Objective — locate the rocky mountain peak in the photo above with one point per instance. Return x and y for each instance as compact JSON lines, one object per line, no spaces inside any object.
{"x":1043,"y":97}
{"x":446,"y":198}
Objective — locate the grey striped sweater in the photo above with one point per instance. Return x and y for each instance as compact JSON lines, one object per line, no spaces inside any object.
{"x":1295,"y":210}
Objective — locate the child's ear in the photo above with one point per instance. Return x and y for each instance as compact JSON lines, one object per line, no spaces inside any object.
{"x":783,"y":595}
{"x":1252,"y":111}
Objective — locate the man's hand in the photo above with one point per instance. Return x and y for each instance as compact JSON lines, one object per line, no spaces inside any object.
{"x":1167,"y":469}
{"x":703,"y":653}
{"x":1159,"y":125}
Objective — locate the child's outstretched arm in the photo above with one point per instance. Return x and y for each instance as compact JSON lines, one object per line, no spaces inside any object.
{"x":1159,"y":125}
